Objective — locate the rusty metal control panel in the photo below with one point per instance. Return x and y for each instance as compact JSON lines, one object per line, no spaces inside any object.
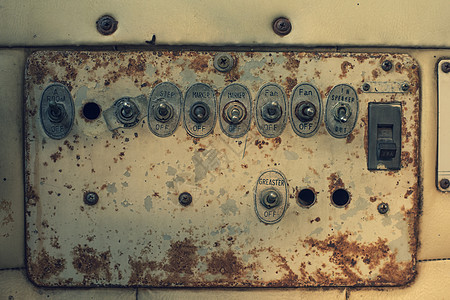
{"x":210,"y":169}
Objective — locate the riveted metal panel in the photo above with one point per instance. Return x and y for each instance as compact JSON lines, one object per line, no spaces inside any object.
{"x":138,"y":234}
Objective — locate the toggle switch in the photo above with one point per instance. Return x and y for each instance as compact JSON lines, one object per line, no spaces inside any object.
{"x":163,"y":112}
{"x":270,"y":198}
{"x":271,"y":112}
{"x":199,"y":112}
{"x":384,"y":136}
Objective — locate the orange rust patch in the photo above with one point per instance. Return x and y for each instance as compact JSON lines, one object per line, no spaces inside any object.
{"x":260,"y":144}
{"x":290,"y":83}
{"x":200,"y":63}
{"x":375,"y":74}
{"x":350,"y":138}
{"x":345,"y":67}
{"x":276,"y":142}
{"x":182,"y":257}
{"x":348,"y":255}
{"x":406,"y":159}
{"x":225,"y":263}
{"x":94,"y":265}
{"x":335,"y":182}
{"x":45,"y":267}
{"x":292,"y":62}
{"x":141,"y":272}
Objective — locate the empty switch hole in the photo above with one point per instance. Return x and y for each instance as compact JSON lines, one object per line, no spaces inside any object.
{"x":91,"y":111}
{"x":340,"y":198}
{"x":306,"y":197}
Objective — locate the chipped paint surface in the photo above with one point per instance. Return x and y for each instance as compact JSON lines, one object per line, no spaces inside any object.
{"x":139,"y":235}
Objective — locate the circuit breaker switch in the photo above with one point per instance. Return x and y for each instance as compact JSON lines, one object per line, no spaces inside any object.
{"x":384,"y":136}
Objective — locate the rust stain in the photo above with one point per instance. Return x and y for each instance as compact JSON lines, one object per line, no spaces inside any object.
{"x":45,"y":266}
{"x":315,"y":220}
{"x":32,"y":196}
{"x":292,"y":62}
{"x":375,"y":74}
{"x":56,"y":156}
{"x":95,"y":265}
{"x":276,"y":142}
{"x":6,"y":207}
{"x":141,"y":272}
{"x":226,"y":264}
{"x":182,"y":256}
{"x":335,"y":182}
{"x":345,"y":67}
{"x":350,"y":138}
{"x":69,"y":146}
{"x":200,"y":63}
{"x":260,"y":144}
{"x":290,"y":83}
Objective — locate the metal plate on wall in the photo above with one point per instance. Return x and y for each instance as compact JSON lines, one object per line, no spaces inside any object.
{"x":138,"y":234}
{"x":443,"y":162}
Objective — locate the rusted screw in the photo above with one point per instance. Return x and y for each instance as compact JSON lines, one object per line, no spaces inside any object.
{"x":282,"y":26}
{"x":386,"y":65}
{"x":445,"y":67}
{"x":383,"y":208}
{"x":185,"y":199}
{"x":366,"y":87}
{"x":405,"y":87}
{"x":444,"y":183}
{"x":106,"y":25}
{"x":90,"y":198}
{"x":223,"y":62}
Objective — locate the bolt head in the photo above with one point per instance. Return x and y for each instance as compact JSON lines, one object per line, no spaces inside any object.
{"x":445,"y":67}
{"x":366,"y":87}
{"x":405,"y":87}
{"x":386,"y":65}
{"x":223,"y":62}
{"x":383,"y":208}
{"x":444,"y":183}
{"x":185,"y":199}
{"x":282,"y":26}
{"x":90,"y":198}
{"x":106,"y":25}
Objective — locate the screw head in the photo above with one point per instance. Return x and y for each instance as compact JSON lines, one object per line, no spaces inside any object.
{"x":90,"y":198}
{"x":444,"y":183}
{"x":383,"y":208}
{"x":223,"y":62}
{"x":366,"y":87}
{"x":185,"y":199}
{"x":386,"y":65}
{"x":282,"y":26}
{"x":405,"y":87}
{"x":106,"y":25}
{"x":445,"y":67}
